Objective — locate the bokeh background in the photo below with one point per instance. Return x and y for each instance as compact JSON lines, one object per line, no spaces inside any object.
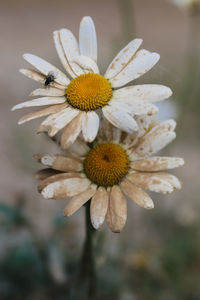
{"x":157,"y":255}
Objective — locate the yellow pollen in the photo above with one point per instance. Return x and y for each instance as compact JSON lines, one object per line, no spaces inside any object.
{"x":106,"y":164}
{"x":89,"y":92}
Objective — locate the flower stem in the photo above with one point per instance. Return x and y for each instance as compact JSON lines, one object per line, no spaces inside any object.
{"x":87,"y":265}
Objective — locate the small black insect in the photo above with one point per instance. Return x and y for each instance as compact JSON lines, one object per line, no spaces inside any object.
{"x":50,"y":78}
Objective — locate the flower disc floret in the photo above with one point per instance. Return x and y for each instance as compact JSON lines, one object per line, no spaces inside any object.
{"x":89,"y":92}
{"x":106,"y":164}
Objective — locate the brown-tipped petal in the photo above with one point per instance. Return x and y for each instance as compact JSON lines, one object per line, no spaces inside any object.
{"x":156,"y":139}
{"x":71,"y":132}
{"x":157,"y":163}
{"x":98,"y":207}
{"x":65,"y":188}
{"x":45,"y":173}
{"x":48,"y":91}
{"x":117,"y":210}
{"x":56,"y":122}
{"x":57,"y":177}
{"x":137,"y":195}
{"x":173,"y":180}
{"x":61,"y":163}
{"x":79,"y":200}
{"x":79,"y":148}
{"x":32,"y":74}
{"x":151,"y":181}
{"x":42,"y":112}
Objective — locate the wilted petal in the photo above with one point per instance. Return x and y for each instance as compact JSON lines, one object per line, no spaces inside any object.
{"x":40,"y":102}
{"x":48,"y":91}
{"x":122,"y":59}
{"x":45,"y":173}
{"x":157,"y":163}
{"x":79,"y":200}
{"x":137,"y":194}
{"x":42,"y":112}
{"x":32,"y":74}
{"x":56,"y":122}
{"x":120,"y":118}
{"x":117,"y":210}
{"x":87,"y":38}
{"x":98,"y":207}
{"x":71,"y":132}
{"x":139,"y":64}
{"x":79,"y":147}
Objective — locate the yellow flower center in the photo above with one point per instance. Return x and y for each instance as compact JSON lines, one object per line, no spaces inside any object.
{"x":89,"y":92}
{"x":106,"y":164}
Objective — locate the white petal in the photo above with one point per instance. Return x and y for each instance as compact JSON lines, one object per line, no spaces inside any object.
{"x":117,"y":210}
{"x":57,"y":121}
{"x":90,"y":126}
{"x":65,"y":188}
{"x":32,"y":74}
{"x":71,"y":50}
{"x":48,"y":91}
{"x":148,"y":92}
{"x":87,"y":38}
{"x":79,"y":148}
{"x":87,"y":64}
{"x":71,"y":131}
{"x":157,"y":163}
{"x":137,"y":194}
{"x":46,"y":68}
{"x":120,"y":118}
{"x":98,"y":207}
{"x":42,"y":112}
{"x":40,"y":102}
{"x":122,"y":59}
{"x":79,"y":200}
{"x":141,"y":63}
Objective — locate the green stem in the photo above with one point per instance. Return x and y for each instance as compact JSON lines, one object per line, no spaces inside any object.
{"x":87,"y":265}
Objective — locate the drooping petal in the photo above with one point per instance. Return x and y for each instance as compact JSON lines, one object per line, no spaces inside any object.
{"x":151,"y":181}
{"x":120,"y":118}
{"x":158,"y":163}
{"x":40,"y":102}
{"x":155,"y":140}
{"x":60,"y":163}
{"x":56,"y":122}
{"x":65,"y":188}
{"x":79,"y":148}
{"x":98,"y":207}
{"x":90,"y":126}
{"x":117,"y":210}
{"x":123,"y":58}
{"x":46,"y":68}
{"x":141,"y":63}
{"x":48,"y":91}
{"x":71,"y":131}
{"x":45,"y":173}
{"x":55,"y":178}
{"x":137,"y":194}
{"x":145,"y":92}
{"x":42,"y":112}
{"x":88,"y":38}
{"x":79,"y":200}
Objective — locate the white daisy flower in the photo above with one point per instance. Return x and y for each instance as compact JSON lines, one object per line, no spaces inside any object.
{"x":118,"y":166}
{"x":73,"y":103}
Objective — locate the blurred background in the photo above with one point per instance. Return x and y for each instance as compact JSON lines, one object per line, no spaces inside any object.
{"x":157,"y":255}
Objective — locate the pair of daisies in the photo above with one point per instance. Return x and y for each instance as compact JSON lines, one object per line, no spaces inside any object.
{"x":109,"y":131}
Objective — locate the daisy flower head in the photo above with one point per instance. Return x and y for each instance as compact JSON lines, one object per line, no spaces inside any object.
{"x":119,"y":166}
{"x":75,"y":100}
